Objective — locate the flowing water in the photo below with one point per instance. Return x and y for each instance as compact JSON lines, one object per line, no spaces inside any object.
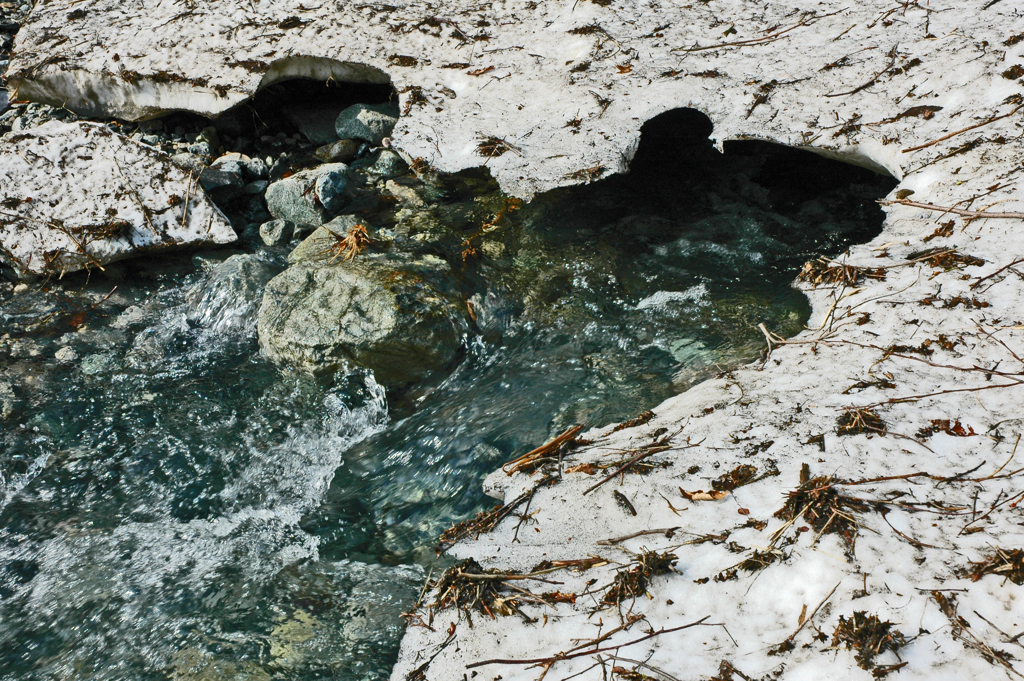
{"x":173,"y":506}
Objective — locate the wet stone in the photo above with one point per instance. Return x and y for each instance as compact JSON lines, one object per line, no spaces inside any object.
{"x":276,"y":232}
{"x":400,"y":319}
{"x":387,"y":165}
{"x":309,"y":197}
{"x":341,"y":151}
{"x":370,"y":122}
{"x":228,"y":301}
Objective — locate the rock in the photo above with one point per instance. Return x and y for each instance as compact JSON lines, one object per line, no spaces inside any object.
{"x":8,"y":401}
{"x":330,"y":190}
{"x":188,"y":161}
{"x":152,"y":125}
{"x":387,"y":165}
{"x":309,"y":197}
{"x":315,"y":122}
{"x":227,"y":303}
{"x":4,"y":99}
{"x":276,"y":232}
{"x":257,"y":187}
{"x":407,"y":195}
{"x":73,"y":197}
{"x":256,"y":168}
{"x":223,"y":183}
{"x":402,"y":320}
{"x":341,"y":151}
{"x":319,"y":244}
{"x":370,"y":122}
{"x":65,"y":355}
{"x":230,"y":163}
{"x":96,"y":364}
{"x":200,"y":149}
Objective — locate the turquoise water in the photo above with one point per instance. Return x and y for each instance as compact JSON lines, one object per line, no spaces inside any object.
{"x":172,"y":506}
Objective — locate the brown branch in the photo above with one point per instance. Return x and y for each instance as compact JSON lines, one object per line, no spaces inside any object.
{"x":968,"y":129}
{"x":972,"y":214}
{"x":667,"y":531}
{"x":584,"y":653}
{"x":892,"y":61}
{"x":654,"y":449}
{"x":999,"y":271}
{"x":528,"y":458}
{"x":806,"y":21}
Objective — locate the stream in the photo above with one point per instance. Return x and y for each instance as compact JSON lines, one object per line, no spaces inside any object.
{"x":175,"y":506}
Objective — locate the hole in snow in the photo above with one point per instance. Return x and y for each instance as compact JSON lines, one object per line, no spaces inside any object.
{"x":301,"y":105}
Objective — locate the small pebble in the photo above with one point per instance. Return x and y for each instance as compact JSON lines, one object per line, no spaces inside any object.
{"x":66,"y":355}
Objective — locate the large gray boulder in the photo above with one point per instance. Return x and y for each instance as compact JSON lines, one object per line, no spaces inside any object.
{"x":402,"y":320}
{"x":369,"y":122}
{"x":309,"y":198}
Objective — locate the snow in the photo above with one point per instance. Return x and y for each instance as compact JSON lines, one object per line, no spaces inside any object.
{"x":846,"y":80}
{"x":540,"y":65}
{"x":77,"y":195}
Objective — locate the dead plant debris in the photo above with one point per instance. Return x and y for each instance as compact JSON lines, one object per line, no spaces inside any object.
{"x":349,"y":246}
{"x":742,"y":475}
{"x":757,"y":561}
{"x":632,"y":580}
{"x":493,"y":147}
{"x":701,"y":495}
{"x":945,"y":258}
{"x":825,"y":272}
{"x":822,"y":506}
{"x":943,"y":230}
{"x":727,"y":672}
{"x":1007,"y":563}
{"x":485,"y":521}
{"x":867,"y":635}
{"x":855,"y":421}
{"x":468,"y":587}
{"x":634,"y":422}
{"x":952,"y":428}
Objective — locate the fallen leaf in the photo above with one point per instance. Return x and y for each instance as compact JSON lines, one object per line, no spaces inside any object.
{"x":701,"y":495}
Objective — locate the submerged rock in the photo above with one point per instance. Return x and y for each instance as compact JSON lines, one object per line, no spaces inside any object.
{"x":400,"y":319}
{"x":341,"y":151}
{"x":229,"y":300}
{"x":78,"y":196}
{"x":370,"y":122}
{"x":387,"y":165}
{"x":310,"y":197}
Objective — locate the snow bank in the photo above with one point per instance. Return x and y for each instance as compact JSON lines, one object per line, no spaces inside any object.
{"x":77,"y":195}
{"x":566,"y":85}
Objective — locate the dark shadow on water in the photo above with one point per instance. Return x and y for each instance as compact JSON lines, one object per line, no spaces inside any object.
{"x":597,"y":302}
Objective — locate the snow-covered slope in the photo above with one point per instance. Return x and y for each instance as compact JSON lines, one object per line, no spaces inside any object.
{"x":566,"y":85}
{"x":77,"y":195}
